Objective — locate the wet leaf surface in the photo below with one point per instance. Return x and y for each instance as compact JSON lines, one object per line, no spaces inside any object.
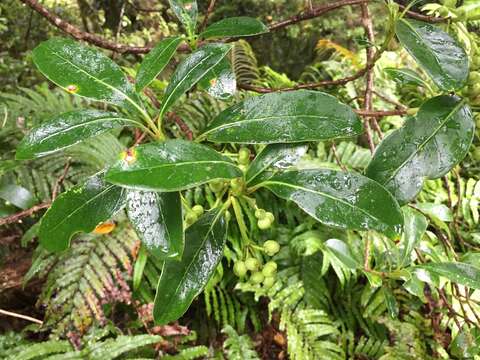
{"x":155,"y":61}
{"x":234,"y":26}
{"x":460,"y":273}
{"x":181,"y":281}
{"x":186,"y":11}
{"x":66,"y":130}
{"x":171,"y":166}
{"x":436,"y":51}
{"x":426,"y":147}
{"x":220,"y":82}
{"x":191,"y":70}
{"x":79,"y":209}
{"x":157,"y":219}
{"x":84,"y":71}
{"x":274,"y":157}
{"x":288,"y":117}
{"x":340,"y":199}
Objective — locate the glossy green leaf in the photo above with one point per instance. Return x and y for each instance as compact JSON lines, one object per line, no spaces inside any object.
{"x":436,"y":51}
{"x":274,"y":157}
{"x":340,"y":199}
{"x":415,"y":225}
{"x":192,"y":70}
{"x":84,"y":71}
{"x":17,"y":196}
{"x":234,"y":26}
{"x":155,"y":61}
{"x":186,"y":11}
{"x":460,"y":273}
{"x":405,"y":76}
{"x":157,"y":219}
{"x":287,"y":117}
{"x":181,"y":281}
{"x":79,"y":209}
{"x":342,"y":252}
{"x":220,"y":82}
{"x":172,"y":165}
{"x":66,"y":130}
{"x":426,"y":147}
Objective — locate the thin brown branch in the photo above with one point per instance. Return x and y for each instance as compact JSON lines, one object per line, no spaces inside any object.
{"x":25,"y":213}
{"x":422,"y":17}
{"x":368,"y":97}
{"x":20,"y":316}
{"x":207,"y":15}
{"x":99,"y":41}
{"x":181,"y":124}
{"x":380,"y":113}
{"x":61,"y":179}
{"x":337,"y":158}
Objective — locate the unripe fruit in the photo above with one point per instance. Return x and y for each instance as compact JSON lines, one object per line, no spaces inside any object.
{"x":252,"y":264}
{"x":198,"y":210}
{"x":228,"y":215}
{"x":268,"y":282}
{"x":260,"y":214}
{"x":244,"y":156}
{"x":474,"y":77}
{"x":216,"y":186}
{"x":270,"y":216}
{"x":244,"y":168}
{"x":191,"y":218}
{"x":476,"y":154}
{"x":237,"y":186}
{"x":240,"y":269}
{"x":269,"y":269}
{"x":264,"y":224}
{"x":271,"y":247}
{"x":257,"y":277}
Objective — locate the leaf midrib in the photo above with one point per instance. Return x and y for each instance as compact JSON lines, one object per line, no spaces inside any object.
{"x":64,"y":130}
{"x":171,"y":93}
{"x":82,"y":206}
{"x":210,"y":230}
{"x":96,"y":79}
{"x":179,"y":164}
{"x":322,"y":194}
{"x":422,"y":145}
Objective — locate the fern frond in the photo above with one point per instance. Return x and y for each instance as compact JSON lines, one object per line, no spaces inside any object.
{"x":93,"y":272}
{"x":244,"y":63}
{"x":194,"y":352}
{"x":238,"y":347}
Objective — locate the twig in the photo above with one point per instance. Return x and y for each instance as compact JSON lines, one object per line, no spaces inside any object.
{"x":380,"y":113}
{"x":25,"y":213}
{"x":181,"y":124}
{"x":422,"y":17}
{"x":61,"y":179}
{"x":20,"y":316}
{"x":337,"y":158}
{"x":367,"y":103}
{"x":99,"y":41}
{"x":207,"y":15}
{"x":391,"y":101}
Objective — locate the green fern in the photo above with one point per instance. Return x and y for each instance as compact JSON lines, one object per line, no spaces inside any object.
{"x":93,"y":272}
{"x":109,"y":349}
{"x":238,"y":347}
{"x":244,"y":63}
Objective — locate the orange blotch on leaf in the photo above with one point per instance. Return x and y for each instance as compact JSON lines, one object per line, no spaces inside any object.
{"x":213,"y":82}
{"x":105,"y":228}
{"x":72,"y":89}
{"x":129,"y":156}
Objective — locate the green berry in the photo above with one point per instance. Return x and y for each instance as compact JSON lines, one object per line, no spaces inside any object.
{"x":190,"y":218}
{"x":264,"y":224}
{"x":244,"y":156}
{"x":240,"y":269}
{"x":269,"y":269}
{"x":237,"y":186}
{"x":474,"y":77}
{"x":244,"y":168}
{"x":260,"y":214}
{"x":198,"y":210}
{"x":252,"y":264}
{"x":476,"y":154}
{"x":270,"y":216}
{"x":271,"y":247}
{"x":216,"y":185}
{"x":228,"y":215}
{"x":268,"y":282}
{"x":257,"y":277}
